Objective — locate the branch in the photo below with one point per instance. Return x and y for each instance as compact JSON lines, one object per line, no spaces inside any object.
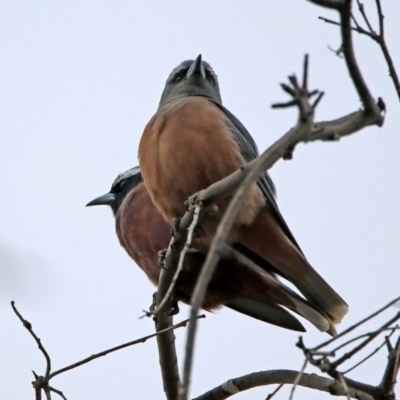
{"x":321,"y":359}
{"x":362,"y":361}
{"x":364,"y":343}
{"x":357,"y":324}
{"x":28,"y":326}
{"x":42,"y":382}
{"x":172,"y":265}
{"x":120,"y":347}
{"x":372,"y":111}
{"x":377,"y":37}
{"x":282,"y":376}
{"x":388,"y":382}
{"x":167,"y":355}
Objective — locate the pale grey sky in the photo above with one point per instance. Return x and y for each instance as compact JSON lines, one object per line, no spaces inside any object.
{"x":79,"y":80}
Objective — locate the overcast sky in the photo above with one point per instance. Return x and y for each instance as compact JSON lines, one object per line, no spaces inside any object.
{"x":79,"y":80}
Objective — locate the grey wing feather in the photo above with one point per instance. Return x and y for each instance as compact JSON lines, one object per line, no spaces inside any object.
{"x":249,"y":151}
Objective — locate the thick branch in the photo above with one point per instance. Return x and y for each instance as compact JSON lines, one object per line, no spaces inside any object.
{"x":167,"y":356}
{"x":263,"y":378}
{"x":335,"y":129}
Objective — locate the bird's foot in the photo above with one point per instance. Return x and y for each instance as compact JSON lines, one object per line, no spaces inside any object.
{"x":161,"y":258}
{"x":153,"y":307}
{"x":175,"y":230}
{"x":175,"y":308}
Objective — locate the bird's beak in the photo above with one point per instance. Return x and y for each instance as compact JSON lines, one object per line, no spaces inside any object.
{"x":105,"y":199}
{"x":197,"y":68}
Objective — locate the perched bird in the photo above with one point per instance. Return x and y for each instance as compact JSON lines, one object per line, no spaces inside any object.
{"x":237,"y":283}
{"x":193,"y":141}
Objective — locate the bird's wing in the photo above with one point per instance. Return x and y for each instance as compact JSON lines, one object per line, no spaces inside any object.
{"x":249,"y":152}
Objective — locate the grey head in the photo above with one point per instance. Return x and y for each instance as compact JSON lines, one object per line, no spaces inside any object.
{"x":191,"y":78}
{"x":122,"y":185}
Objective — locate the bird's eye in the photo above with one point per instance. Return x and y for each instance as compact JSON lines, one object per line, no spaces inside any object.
{"x":122,"y":183}
{"x":210,"y":79}
{"x":177,"y":78}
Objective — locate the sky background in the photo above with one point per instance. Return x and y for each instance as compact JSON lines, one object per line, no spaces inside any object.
{"x":79,"y":80}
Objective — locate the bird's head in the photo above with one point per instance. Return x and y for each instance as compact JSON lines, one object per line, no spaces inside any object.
{"x":191,"y":78}
{"x":122,"y":185}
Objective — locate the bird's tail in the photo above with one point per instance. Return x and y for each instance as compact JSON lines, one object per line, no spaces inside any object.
{"x":287,"y":260}
{"x":267,"y":299}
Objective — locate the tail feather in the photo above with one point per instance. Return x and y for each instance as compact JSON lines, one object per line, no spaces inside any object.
{"x":266,"y":312}
{"x":319,"y":293}
{"x":317,"y":318}
{"x":261,"y":307}
{"x":288,"y":261}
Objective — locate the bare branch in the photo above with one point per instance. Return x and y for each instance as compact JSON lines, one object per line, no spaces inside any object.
{"x":47,"y":393}
{"x":28,"y":326}
{"x":356,"y":325}
{"x":42,"y":382}
{"x":192,"y":226}
{"x":389,"y":379}
{"x":282,"y":377}
{"x":344,"y":384}
{"x":298,"y":378}
{"x":362,"y":361}
{"x":370,"y":106}
{"x":365,"y":17}
{"x":37,"y":386}
{"x":370,"y":32}
{"x":278,"y":388}
{"x":322,"y":361}
{"x":167,"y":356}
{"x":59,"y":392}
{"x":369,"y":334}
{"x":120,"y":347}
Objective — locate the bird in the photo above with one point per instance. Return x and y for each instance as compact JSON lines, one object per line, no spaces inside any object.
{"x":193,"y":141}
{"x":237,"y":283}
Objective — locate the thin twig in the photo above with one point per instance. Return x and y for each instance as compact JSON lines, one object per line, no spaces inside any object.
{"x":188,"y":243}
{"x":324,"y":365}
{"x":364,"y":15}
{"x":356,"y":349}
{"x":392,"y":329}
{"x":356,"y":325}
{"x":59,"y":392}
{"x":362,"y":361}
{"x":298,"y":378}
{"x":122,"y":346}
{"x":272,"y":394}
{"x":346,"y":388}
{"x":28,"y":326}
